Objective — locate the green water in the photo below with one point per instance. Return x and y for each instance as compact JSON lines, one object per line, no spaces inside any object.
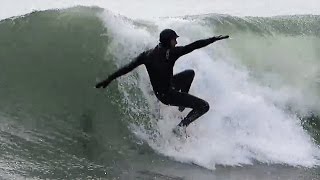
{"x":55,"y":125}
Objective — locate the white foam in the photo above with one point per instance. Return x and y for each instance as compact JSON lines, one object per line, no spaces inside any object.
{"x":160,"y":8}
{"x":243,"y":123}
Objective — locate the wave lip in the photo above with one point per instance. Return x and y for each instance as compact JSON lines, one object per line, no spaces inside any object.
{"x":146,"y":9}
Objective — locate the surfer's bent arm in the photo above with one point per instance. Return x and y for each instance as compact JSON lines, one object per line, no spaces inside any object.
{"x":182,"y":50}
{"x":127,"y":68}
{"x":122,"y":71}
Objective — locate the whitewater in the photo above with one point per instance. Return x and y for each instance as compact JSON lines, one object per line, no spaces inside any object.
{"x":262,"y":85}
{"x":248,"y":120}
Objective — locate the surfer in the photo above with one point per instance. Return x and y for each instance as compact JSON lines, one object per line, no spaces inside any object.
{"x":169,"y":89}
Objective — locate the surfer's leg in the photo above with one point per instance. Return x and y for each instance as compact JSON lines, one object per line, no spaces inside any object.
{"x":182,"y":82}
{"x":199,"y":106}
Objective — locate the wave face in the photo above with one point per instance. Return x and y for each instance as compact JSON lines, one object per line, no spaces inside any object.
{"x":53,"y":122}
{"x":263,"y":87}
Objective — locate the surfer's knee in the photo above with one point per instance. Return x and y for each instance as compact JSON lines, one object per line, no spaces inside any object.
{"x":205,"y":107}
{"x":191,"y":73}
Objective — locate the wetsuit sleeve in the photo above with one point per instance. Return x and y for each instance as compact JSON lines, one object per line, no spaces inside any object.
{"x":182,"y":50}
{"x":129,"y":67}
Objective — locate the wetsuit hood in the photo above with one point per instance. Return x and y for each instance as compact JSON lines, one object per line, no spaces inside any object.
{"x":165,"y":37}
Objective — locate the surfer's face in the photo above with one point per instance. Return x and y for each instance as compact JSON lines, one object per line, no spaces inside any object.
{"x":173,"y":42}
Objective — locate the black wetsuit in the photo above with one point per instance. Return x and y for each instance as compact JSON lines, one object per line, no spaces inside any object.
{"x":171,"y":89}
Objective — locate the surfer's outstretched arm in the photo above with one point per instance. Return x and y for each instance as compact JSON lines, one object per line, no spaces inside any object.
{"x":182,"y":50}
{"x":122,"y":71}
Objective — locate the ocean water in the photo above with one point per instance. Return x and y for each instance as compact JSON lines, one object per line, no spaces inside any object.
{"x":262,"y":85}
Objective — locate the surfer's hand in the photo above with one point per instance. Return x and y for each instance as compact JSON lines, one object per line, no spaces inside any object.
{"x":221,"y":37}
{"x":103,"y":84}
